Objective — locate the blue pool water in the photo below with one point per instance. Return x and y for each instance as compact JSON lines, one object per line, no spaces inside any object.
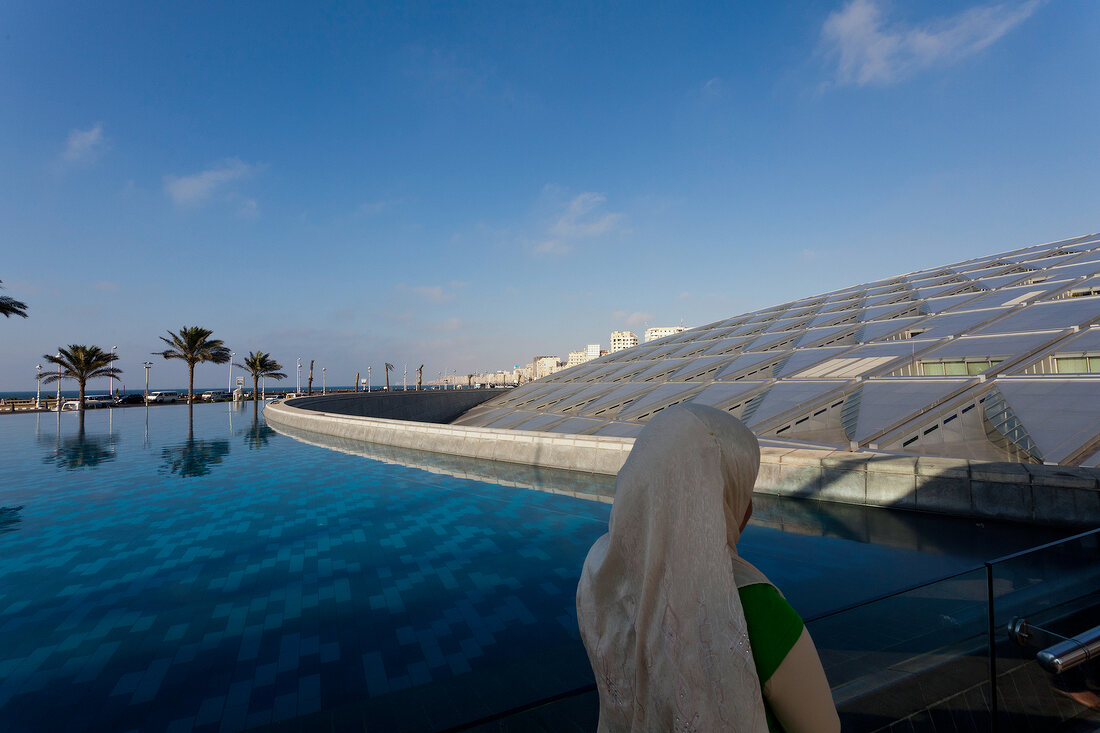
{"x":217,"y":575}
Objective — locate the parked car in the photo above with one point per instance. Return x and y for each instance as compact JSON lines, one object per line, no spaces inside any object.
{"x":214,"y":395}
{"x":163,"y":396}
{"x":130,"y":399}
{"x":90,"y":402}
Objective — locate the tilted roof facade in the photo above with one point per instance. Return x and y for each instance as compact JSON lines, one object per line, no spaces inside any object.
{"x":994,"y":358}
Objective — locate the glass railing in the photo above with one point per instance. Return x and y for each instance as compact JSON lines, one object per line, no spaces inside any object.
{"x":937,"y":655}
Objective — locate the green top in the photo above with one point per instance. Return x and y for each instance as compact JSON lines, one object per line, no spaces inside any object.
{"x":773,"y":627}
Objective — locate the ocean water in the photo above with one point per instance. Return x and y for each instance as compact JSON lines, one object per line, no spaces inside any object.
{"x":176,"y":569}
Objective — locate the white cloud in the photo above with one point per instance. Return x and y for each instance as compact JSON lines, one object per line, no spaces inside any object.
{"x":870,"y":49}
{"x":637,"y":318}
{"x":434,"y":293}
{"x":83,"y":146}
{"x":199,"y":187}
{"x":581,"y":218}
{"x":249,"y":209}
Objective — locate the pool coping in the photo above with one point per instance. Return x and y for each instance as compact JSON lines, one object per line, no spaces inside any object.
{"x":980,"y":489}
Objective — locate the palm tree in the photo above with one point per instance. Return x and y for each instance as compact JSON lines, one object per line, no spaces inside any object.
{"x":259,"y":364}
{"x":194,"y":345}
{"x":82,"y":363}
{"x":389,"y":368}
{"x":11,"y":307}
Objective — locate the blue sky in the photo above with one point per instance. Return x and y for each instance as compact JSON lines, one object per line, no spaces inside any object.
{"x":466,"y":187}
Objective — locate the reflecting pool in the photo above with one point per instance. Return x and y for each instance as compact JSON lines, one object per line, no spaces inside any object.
{"x":165,"y":573}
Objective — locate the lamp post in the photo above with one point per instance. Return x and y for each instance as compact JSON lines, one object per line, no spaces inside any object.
{"x":322,"y":381}
{"x":298,"y":388}
{"x":231,"y":355}
{"x":110,"y":378}
{"x":405,"y":379}
{"x":148,"y":365}
{"x":368,"y":378}
{"x":58,"y":385}
{"x":38,"y":386}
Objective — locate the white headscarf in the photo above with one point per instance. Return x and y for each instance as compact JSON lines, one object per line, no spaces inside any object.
{"x":657,"y":603}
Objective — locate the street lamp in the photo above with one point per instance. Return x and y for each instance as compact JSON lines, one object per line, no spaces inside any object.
{"x":405,"y":379}
{"x":38,"y":386}
{"x":148,"y":364}
{"x":299,"y":387}
{"x":110,"y":378}
{"x":368,"y":378}
{"x":58,"y":357}
{"x":231,"y":355}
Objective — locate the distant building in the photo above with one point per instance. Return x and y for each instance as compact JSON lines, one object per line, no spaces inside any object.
{"x":623,"y":340}
{"x":575,"y":358}
{"x":546,"y":365}
{"x":652,"y":334}
{"x":592,"y":351}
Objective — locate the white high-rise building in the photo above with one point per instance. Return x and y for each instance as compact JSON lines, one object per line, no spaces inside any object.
{"x":623,"y":340}
{"x":575,"y":358}
{"x":592,"y":351}
{"x":652,"y":334}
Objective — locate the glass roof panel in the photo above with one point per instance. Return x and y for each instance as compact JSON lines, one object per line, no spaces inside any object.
{"x":697,"y":368}
{"x":726,"y":346}
{"x":888,"y":299}
{"x":813,"y":335}
{"x":1077,"y":269}
{"x":805,"y":395}
{"x":614,"y":400}
{"x":956,"y":322}
{"x":526,"y":393}
{"x":835,"y":317}
{"x":576,"y":426}
{"x":881,"y":329}
{"x":1015,"y":344}
{"x":1058,"y":413}
{"x":574,"y":401}
{"x":884,"y":403}
{"x":691,"y":349}
{"x":658,"y":398}
{"x":1087,"y":340}
{"x":746,"y":362}
{"x":934,"y":291}
{"x":540,"y":422}
{"x":768,"y":341}
{"x":628,"y":370}
{"x":786,"y":324}
{"x":804,"y":358}
{"x":939,"y":305}
{"x":999,"y":281}
{"x":1012,"y":296}
{"x":659,"y":370}
{"x":509,"y":422}
{"x":620,"y":429}
{"x":485,"y":418}
{"x":551,"y":398}
{"x":886,"y":312}
{"x":721,"y":394}
{"x":1050,"y":314}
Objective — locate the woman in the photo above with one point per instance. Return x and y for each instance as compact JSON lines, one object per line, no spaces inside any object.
{"x":682,"y":633}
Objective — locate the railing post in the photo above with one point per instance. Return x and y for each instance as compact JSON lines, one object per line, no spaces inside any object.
{"x":992,"y":631}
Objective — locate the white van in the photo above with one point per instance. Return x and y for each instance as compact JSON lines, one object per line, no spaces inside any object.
{"x":161,"y":397}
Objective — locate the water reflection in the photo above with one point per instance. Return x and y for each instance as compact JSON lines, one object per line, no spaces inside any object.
{"x":258,"y":435}
{"x":196,"y":457}
{"x":10,"y":518}
{"x":81,"y":450}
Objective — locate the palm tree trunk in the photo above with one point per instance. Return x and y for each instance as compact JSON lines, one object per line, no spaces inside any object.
{"x":255,"y":396}
{"x":80,"y":405}
{"x":190,"y":382}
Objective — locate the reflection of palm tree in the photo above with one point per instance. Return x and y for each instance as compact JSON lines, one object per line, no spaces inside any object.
{"x":259,"y":364}
{"x":194,"y":457}
{"x":11,"y":307}
{"x":193,"y":345}
{"x":258,"y":435}
{"x":82,"y":451}
{"x":81,"y":363}
{"x":389,"y":368}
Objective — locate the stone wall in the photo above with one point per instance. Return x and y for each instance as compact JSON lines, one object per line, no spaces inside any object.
{"x":430,"y":405}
